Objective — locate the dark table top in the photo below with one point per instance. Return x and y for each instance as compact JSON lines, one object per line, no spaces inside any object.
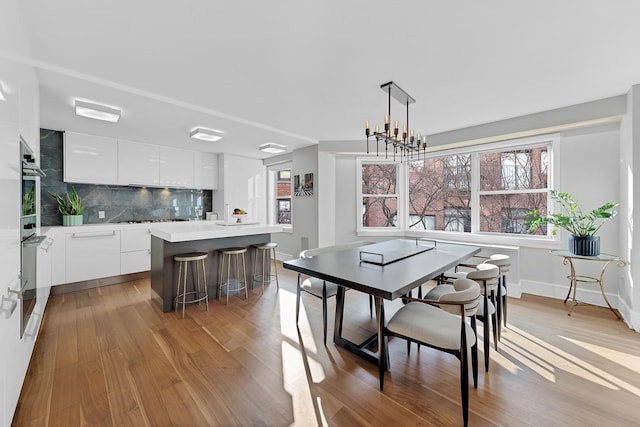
{"x":388,"y":281}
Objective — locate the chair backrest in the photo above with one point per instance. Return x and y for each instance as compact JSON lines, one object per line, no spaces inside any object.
{"x":308,"y":253}
{"x":485,"y":273}
{"x":502,"y":261}
{"x":464,"y":290}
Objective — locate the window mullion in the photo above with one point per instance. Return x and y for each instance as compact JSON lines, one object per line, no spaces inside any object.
{"x":475,"y":196}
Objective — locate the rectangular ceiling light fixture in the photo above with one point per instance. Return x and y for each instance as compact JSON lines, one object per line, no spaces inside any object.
{"x":206,"y":134}
{"x":97,"y":111}
{"x":272,"y":148}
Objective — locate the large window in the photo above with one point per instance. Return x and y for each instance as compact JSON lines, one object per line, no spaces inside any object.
{"x":380,"y":196}
{"x":512,"y":183}
{"x":484,"y":190}
{"x":439,"y":196}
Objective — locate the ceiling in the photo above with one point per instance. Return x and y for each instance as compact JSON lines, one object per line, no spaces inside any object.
{"x":295,"y":72}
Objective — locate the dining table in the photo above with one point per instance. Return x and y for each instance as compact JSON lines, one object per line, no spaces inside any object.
{"x":386,"y":270}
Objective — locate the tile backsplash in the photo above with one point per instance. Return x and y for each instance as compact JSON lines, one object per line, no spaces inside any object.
{"x":119,"y":203}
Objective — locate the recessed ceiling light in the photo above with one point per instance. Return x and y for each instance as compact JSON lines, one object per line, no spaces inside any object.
{"x":206,"y":134}
{"x":97,"y":111}
{"x":272,"y":148}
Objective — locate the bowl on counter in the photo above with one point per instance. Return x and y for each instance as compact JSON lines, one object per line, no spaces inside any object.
{"x":238,"y":218}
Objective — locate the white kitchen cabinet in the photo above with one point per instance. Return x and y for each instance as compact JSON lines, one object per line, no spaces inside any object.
{"x":92,"y":255}
{"x":176,"y":167}
{"x":138,"y":164}
{"x":205,"y":171}
{"x":90,"y":159}
{"x":135,"y":250}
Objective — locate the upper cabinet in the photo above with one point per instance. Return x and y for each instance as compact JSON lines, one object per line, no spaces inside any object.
{"x":90,"y":159}
{"x":205,"y":171}
{"x":176,"y":167}
{"x":138,"y":164}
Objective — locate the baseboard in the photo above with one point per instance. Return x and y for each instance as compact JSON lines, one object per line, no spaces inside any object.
{"x":90,"y":284}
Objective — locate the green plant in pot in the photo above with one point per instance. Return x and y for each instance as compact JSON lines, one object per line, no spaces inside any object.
{"x":582,"y":226}
{"x":70,"y":206}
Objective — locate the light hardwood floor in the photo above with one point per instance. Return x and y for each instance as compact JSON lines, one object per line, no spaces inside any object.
{"x":109,"y":356}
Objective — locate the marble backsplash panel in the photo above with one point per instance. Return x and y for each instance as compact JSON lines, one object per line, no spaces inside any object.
{"x":119,"y":203}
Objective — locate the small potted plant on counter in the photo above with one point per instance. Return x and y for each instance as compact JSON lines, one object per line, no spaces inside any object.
{"x":70,"y":206}
{"x":582,"y":226}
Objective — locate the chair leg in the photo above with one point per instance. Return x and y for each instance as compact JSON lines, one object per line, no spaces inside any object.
{"x":474,"y":353}
{"x":485,"y":332}
{"x":298,"y":291}
{"x":371,"y":306}
{"x":275,"y":269}
{"x":504,"y":300}
{"x":464,"y":384}
{"x":499,"y":308}
{"x":324,"y":311}
{"x":495,"y":323}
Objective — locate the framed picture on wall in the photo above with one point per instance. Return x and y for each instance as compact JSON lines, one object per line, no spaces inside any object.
{"x":303,"y":187}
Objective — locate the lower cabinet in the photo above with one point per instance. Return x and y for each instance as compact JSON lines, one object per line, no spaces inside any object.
{"x":135,"y":251}
{"x":92,"y":255}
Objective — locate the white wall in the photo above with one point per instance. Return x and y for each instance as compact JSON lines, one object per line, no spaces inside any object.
{"x":242,"y":184}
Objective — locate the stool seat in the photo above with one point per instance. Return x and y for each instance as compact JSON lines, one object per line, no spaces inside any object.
{"x":192,"y":256}
{"x":266,"y":252}
{"x":233,"y":251}
{"x":183,"y":260}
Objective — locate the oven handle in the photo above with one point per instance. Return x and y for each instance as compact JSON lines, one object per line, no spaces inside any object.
{"x":98,"y":234}
{"x":20,"y":291}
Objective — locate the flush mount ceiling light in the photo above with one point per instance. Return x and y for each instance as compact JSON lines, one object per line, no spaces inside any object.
{"x":206,"y":134}
{"x":272,"y":148}
{"x":97,"y":111}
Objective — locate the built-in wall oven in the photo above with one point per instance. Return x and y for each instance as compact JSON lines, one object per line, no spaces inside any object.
{"x":30,"y":173}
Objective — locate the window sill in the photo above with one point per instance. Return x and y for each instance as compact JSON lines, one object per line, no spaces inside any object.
{"x":286,"y":228}
{"x":469,"y":238}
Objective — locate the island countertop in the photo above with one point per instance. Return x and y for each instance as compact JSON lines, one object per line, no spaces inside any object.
{"x":201,"y":230}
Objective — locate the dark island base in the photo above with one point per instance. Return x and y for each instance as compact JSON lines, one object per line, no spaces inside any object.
{"x":164,"y":276}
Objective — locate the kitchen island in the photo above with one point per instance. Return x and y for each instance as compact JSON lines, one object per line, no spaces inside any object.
{"x":201,"y":236}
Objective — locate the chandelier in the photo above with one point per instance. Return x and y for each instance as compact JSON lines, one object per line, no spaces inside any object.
{"x":406,"y":145}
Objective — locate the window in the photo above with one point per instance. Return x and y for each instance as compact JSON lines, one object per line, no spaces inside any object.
{"x":379,"y":194}
{"x":439,"y":196}
{"x":280,"y":206}
{"x":512,"y":183}
{"x":487,"y":190}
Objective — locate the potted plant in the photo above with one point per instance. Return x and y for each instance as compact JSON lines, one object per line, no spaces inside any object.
{"x":70,"y":206}
{"x":582,"y":226}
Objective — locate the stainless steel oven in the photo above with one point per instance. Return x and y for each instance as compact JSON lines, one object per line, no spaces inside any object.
{"x":30,"y":174}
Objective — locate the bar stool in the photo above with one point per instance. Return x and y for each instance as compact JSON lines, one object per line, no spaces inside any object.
{"x":183,"y":260}
{"x":227,"y":256}
{"x":266,"y":253}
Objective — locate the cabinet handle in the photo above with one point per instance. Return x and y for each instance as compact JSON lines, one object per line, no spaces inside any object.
{"x":99,"y":234}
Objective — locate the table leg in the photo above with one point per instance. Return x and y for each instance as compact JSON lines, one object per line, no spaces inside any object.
{"x":600,"y":282}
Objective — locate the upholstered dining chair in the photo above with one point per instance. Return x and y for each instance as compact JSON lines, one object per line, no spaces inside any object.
{"x":321,"y":288}
{"x":441,"y":324}
{"x":487,"y":277}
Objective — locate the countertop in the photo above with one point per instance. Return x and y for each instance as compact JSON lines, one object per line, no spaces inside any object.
{"x":202,"y":230}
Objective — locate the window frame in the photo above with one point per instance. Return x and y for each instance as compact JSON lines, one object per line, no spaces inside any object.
{"x":272,"y":194}
{"x":475,"y":236}
{"x":401,"y":201}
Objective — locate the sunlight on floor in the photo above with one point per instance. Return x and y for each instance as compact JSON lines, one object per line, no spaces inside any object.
{"x":626,"y":360}
{"x":549,"y":360}
{"x":300,"y":370}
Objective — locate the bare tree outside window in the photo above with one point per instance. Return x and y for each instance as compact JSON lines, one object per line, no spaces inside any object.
{"x":511,"y":184}
{"x":439,"y":195}
{"x":379,"y":194}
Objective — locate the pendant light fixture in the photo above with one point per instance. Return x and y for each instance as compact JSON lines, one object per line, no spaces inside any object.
{"x":405,"y":144}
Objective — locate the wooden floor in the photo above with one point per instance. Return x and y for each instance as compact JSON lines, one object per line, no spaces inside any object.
{"x":109,"y":356}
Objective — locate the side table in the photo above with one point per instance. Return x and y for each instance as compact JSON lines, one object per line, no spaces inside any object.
{"x":568,"y":257}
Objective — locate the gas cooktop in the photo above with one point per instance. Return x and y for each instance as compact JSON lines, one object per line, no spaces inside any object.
{"x":146,"y":221}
